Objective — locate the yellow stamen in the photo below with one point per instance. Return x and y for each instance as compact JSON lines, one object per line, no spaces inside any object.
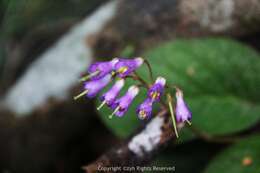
{"x":155,"y":95}
{"x":81,"y":94}
{"x":111,"y":116}
{"x":142,"y":114}
{"x":122,"y":69}
{"x":101,"y":105}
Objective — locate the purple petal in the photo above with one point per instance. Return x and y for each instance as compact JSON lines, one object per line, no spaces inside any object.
{"x":125,"y":67}
{"x":182,"y":111}
{"x":111,"y":95}
{"x":156,"y":90}
{"x":125,"y":101}
{"x":93,"y":87}
{"x":104,"y":68}
{"x":145,"y":109}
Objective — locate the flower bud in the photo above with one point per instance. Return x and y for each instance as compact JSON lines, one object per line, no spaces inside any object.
{"x":182,"y":111}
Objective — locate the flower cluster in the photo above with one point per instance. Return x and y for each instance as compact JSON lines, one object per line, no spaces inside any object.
{"x":118,"y":69}
{"x":102,"y":73}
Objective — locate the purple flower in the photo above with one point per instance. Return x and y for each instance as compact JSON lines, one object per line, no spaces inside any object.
{"x":182,"y":111}
{"x":154,"y":95}
{"x":124,"y":67}
{"x":122,"y":104}
{"x":156,"y":90}
{"x":100,"y":69}
{"x":145,"y":109}
{"x":93,"y":87}
{"x":110,"y":96}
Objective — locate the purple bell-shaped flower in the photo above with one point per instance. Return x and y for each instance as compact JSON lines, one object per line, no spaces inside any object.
{"x":144,"y":110}
{"x":92,"y":88}
{"x":122,"y":104}
{"x":125,"y":67}
{"x":154,"y":94}
{"x":182,"y":112}
{"x":110,"y":96}
{"x":156,"y":90}
{"x":100,"y":69}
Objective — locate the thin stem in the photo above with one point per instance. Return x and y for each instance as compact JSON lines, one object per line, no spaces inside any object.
{"x":172,"y":114}
{"x":140,"y":85}
{"x":137,"y":77}
{"x":149,"y":68}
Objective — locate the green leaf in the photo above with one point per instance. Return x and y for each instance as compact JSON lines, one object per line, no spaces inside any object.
{"x":232,"y":160}
{"x":229,"y":114}
{"x":220,"y":79}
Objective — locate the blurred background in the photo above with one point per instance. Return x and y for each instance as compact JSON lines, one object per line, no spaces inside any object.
{"x":209,"y":48}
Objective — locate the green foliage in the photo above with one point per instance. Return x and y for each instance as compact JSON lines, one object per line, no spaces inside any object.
{"x":128,"y":51}
{"x":232,"y":160}
{"x":219,"y":77}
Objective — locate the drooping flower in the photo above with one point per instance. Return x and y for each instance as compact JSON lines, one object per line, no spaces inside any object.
{"x":110,"y":96}
{"x":144,"y":110}
{"x":154,"y":94}
{"x":100,"y":69}
{"x":125,"y":67}
{"x":94,"y":86}
{"x":122,"y":104}
{"x":156,"y":90}
{"x":182,"y":112}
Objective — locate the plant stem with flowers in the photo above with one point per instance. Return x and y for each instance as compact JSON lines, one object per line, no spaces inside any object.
{"x":102,"y":73}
